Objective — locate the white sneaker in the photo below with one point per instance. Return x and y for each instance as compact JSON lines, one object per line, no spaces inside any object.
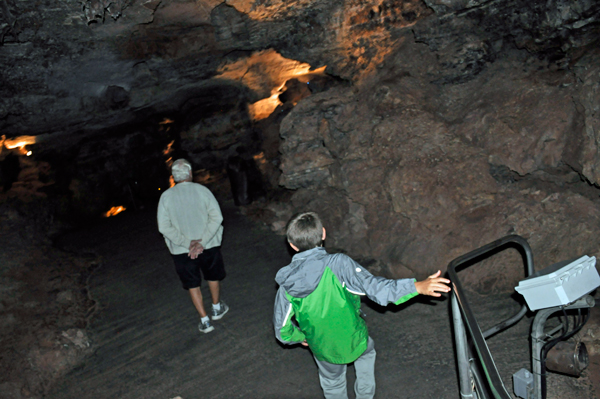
{"x":218,"y":314}
{"x":205,"y":327}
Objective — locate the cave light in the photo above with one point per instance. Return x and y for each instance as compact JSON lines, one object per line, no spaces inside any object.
{"x":165,"y":123}
{"x":169,"y":160}
{"x":168,"y":150}
{"x":265,"y":107}
{"x":260,"y":158}
{"x":304,"y":69}
{"x":114,"y":211}
{"x":204,"y":177}
{"x":267,"y":66}
{"x":20,"y":142}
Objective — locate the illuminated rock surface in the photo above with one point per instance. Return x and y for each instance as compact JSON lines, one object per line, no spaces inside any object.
{"x":419,"y":129}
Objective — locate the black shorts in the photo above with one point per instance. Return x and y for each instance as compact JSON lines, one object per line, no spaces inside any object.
{"x":210,"y":262}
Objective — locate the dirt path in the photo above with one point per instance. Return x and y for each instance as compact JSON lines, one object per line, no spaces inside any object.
{"x":147,"y":345}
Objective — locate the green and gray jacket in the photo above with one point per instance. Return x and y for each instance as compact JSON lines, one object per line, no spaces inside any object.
{"x":322,"y":292}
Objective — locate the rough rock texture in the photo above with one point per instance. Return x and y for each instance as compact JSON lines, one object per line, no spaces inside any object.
{"x":73,"y":68}
{"x":44,"y":304}
{"x":414,"y":174}
{"x":467,"y":35}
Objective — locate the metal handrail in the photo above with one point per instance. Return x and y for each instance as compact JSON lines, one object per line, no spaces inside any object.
{"x":487,"y":362}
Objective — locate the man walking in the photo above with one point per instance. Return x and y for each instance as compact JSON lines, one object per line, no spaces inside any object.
{"x":190,"y":220}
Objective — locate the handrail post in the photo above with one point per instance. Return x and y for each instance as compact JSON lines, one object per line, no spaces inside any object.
{"x":462,"y":354}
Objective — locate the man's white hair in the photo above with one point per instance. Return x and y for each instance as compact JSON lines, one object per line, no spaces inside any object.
{"x":181,"y":170}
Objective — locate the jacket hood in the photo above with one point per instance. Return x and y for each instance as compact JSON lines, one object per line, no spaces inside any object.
{"x":301,"y":277}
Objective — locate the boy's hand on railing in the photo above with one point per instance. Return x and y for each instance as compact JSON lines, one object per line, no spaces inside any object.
{"x":433,"y":285}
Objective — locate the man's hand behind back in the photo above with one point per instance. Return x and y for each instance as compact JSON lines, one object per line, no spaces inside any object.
{"x":195,"y":249}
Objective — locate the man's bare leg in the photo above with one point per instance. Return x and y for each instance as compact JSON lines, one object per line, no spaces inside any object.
{"x":214,"y":287}
{"x":218,"y":308}
{"x":197,"y":300}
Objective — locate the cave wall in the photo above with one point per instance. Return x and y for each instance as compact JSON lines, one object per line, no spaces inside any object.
{"x":422,"y":129}
{"x":410,"y":174}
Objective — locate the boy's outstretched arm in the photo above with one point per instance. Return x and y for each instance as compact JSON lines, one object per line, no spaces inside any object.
{"x":433,"y":285}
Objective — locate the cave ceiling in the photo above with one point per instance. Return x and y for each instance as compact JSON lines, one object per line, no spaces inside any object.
{"x":80,"y":66}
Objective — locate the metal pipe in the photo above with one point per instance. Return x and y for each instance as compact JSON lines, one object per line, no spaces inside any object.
{"x":506,"y":323}
{"x":537,"y":338}
{"x":569,"y":358}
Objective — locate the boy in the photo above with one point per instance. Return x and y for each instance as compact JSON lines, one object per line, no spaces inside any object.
{"x":321,"y":291}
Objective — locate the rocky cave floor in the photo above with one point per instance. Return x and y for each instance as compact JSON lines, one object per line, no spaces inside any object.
{"x":100,"y":314}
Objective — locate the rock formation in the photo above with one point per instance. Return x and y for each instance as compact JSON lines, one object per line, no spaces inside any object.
{"x":413,"y":175}
{"x":419,"y":129}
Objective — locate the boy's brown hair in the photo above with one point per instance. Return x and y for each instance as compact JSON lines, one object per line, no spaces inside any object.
{"x":305,"y":231}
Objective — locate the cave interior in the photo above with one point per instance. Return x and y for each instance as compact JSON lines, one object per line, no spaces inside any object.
{"x":419,"y":129}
